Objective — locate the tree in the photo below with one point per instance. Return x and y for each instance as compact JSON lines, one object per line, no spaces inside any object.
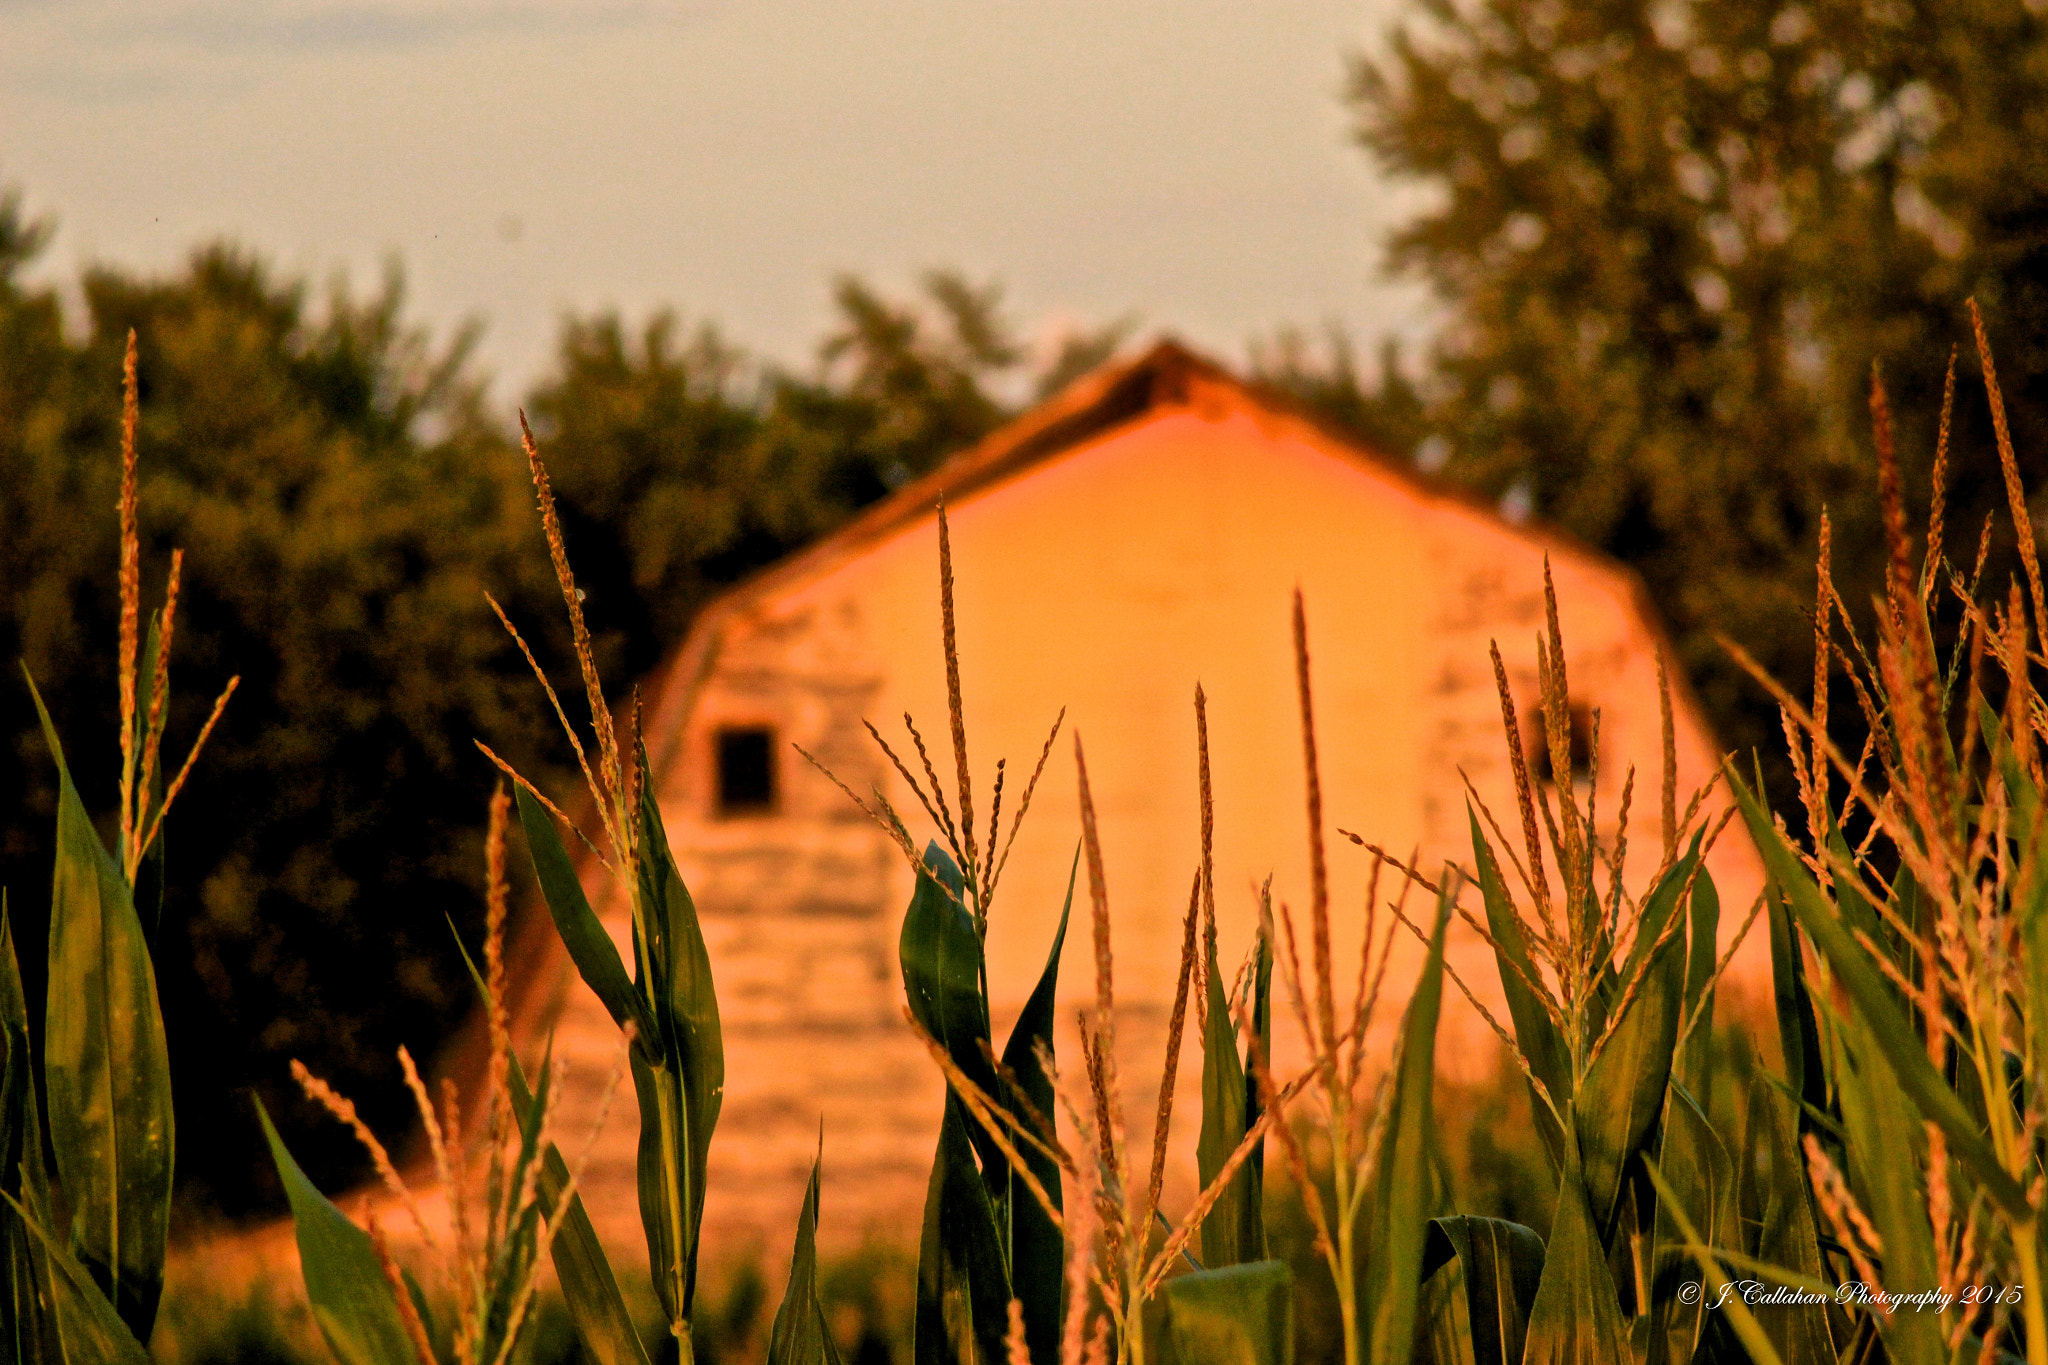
{"x":336,"y":556}
{"x":1673,"y":237}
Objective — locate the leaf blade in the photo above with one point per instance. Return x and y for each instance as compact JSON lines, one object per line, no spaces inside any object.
{"x":106,"y":1065}
{"x":1398,"y":1208}
{"x":352,"y":1301}
{"x":1234,"y":1315}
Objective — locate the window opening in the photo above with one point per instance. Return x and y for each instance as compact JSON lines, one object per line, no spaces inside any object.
{"x":746,"y":770}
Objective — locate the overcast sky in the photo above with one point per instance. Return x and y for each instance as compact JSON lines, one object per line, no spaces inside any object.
{"x":1187,"y":161}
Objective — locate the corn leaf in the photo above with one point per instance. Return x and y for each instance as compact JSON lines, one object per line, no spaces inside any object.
{"x":1701,"y":1175}
{"x":1694,"y":1065}
{"x":1398,"y":1201}
{"x":944,"y":980}
{"x":590,"y":947}
{"x":1798,"y":1032}
{"x":963,"y":1294}
{"x":1576,"y":1317}
{"x":28,"y":1330}
{"x":2033,"y":916}
{"x":663,"y":1169}
{"x":1887,"y":1149}
{"x":1615,"y":1110}
{"x":1535,"y":1033}
{"x":1236,"y":1315}
{"x":1755,"y":1343}
{"x":800,"y":1335}
{"x":1230,"y":1231}
{"x":1788,"y":1235}
{"x":1037,"y":1248}
{"x":351,"y":1299}
{"x":1872,"y":997}
{"x":21,"y":1131}
{"x":1260,"y":1009}
{"x":106,"y":1069}
{"x":687,"y":1089}
{"x":1501,"y":1263}
{"x":90,"y":1328}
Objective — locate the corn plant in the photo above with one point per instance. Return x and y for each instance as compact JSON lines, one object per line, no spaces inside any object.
{"x":91,"y":1295}
{"x":1371,"y":1231}
{"x":668,"y":1009}
{"x":990,"y":1285}
{"x":370,"y":1307}
{"x":993,"y":1213}
{"x":1918,"y":1047}
{"x":488,"y":1259}
{"x":1610,"y":997}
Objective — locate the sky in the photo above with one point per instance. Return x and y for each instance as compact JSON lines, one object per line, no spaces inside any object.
{"x":1184,"y":162}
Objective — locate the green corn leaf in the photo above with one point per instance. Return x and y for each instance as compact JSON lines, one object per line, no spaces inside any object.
{"x":590,"y":947}
{"x":1694,"y":1065}
{"x":1576,"y":1317}
{"x":21,"y":1130}
{"x":1237,"y":1315}
{"x":1872,"y":997}
{"x":351,"y":1299}
{"x":663,"y":1183}
{"x":1228,"y":1231}
{"x":1616,"y":1108}
{"x":1788,"y":1235}
{"x":688,"y":1088}
{"x":1399,"y":1200}
{"x":1696,"y":1164}
{"x":800,"y":1335}
{"x":1037,"y":1249}
{"x":2033,"y":916}
{"x":963,"y":1294}
{"x":1886,"y":1151}
{"x":1856,"y":914}
{"x":1535,"y":1034}
{"x":1798,"y":1032}
{"x":28,"y":1329}
{"x":106,"y":1068}
{"x":944,"y":978}
{"x":90,"y":1330}
{"x":1747,"y":1331}
{"x":1261,"y":987}
{"x":1502,"y":1262}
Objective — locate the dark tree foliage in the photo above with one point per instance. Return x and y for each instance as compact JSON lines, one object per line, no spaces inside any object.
{"x":1673,"y":238}
{"x":344,"y":503}
{"x":342,"y":509}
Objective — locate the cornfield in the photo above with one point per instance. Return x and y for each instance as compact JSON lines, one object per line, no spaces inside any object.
{"x":1881,"y":1197}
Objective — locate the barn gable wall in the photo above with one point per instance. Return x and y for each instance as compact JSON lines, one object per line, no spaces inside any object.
{"x":1108,"y":578}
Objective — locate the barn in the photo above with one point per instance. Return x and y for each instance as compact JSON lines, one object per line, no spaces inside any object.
{"x":1139,"y":533}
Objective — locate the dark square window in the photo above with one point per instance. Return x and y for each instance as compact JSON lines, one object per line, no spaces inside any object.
{"x":746,"y":770}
